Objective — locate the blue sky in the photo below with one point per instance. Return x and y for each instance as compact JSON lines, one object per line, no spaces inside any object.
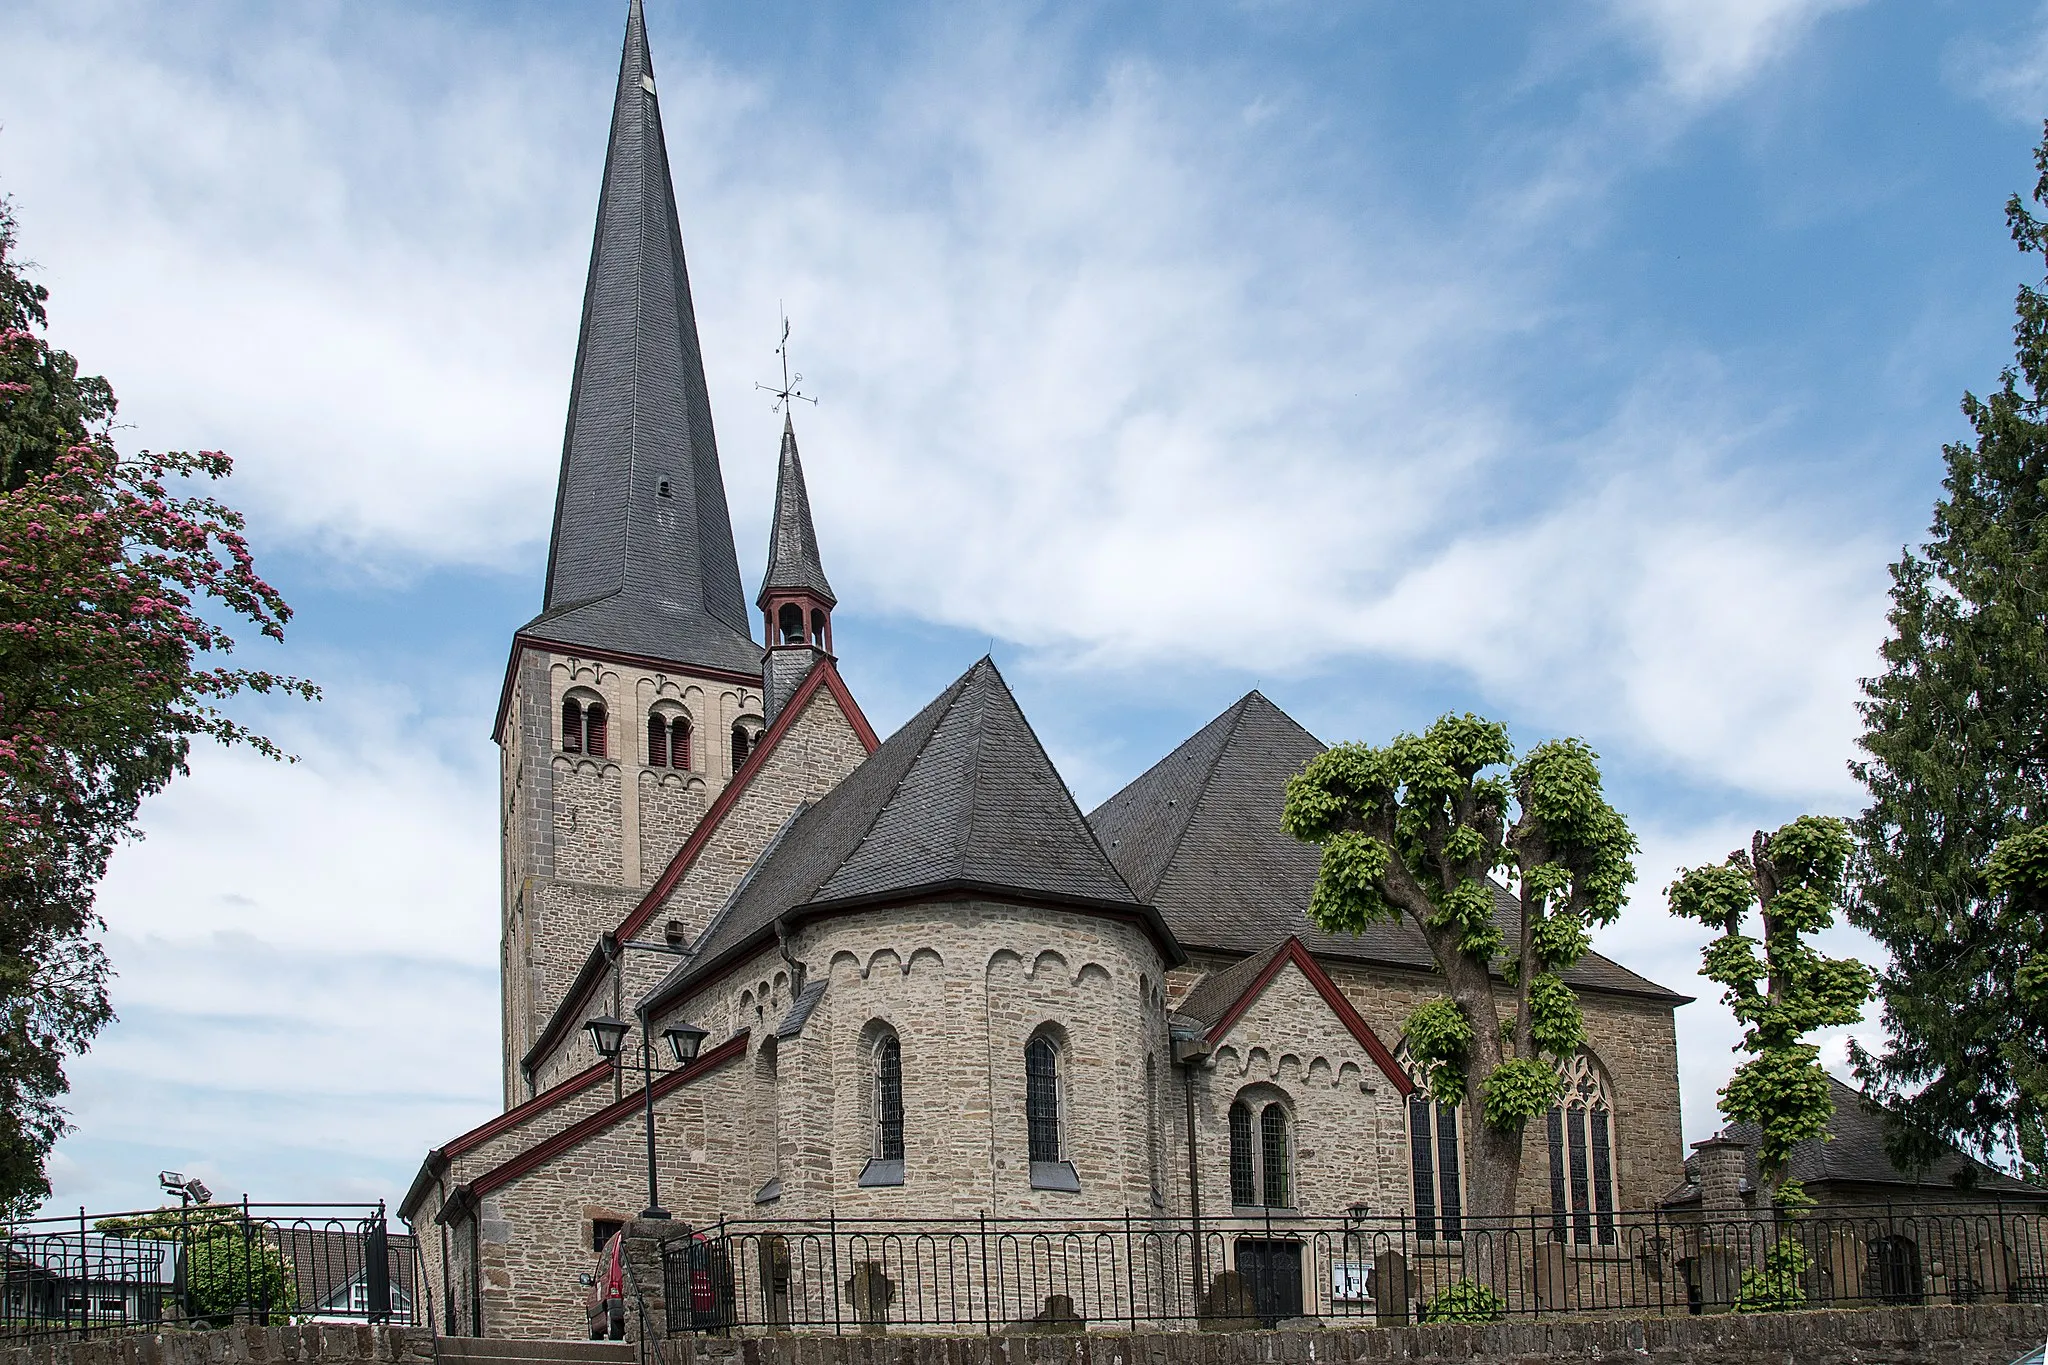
{"x":1580,"y":364}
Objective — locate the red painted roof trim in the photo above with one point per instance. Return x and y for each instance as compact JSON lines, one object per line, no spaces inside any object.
{"x":520,"y":1113}
{"x":586,"y":1128}
{"x":1293,"y":951}
{"x":825,"y":675}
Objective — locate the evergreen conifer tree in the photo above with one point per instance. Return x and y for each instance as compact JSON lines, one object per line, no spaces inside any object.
{"x":1956,"y":733}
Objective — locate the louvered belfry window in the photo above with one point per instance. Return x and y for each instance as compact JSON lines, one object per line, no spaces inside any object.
{"x":679,"y":743}
{"x":1243,"y":1174}
{"x":572,"y":726}
{"x":741,"y":742}
{"x":889,"y":1099}
{"x":595,"y":740}
{"x":1042,"y":1098}
{"x":657,"y":741}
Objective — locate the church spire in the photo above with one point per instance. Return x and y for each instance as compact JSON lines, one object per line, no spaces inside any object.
{"x":796,"y":600}
{"x":642,"y":561}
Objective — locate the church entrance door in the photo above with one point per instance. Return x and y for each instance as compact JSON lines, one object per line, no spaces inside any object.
{"x":1272,"y":1272}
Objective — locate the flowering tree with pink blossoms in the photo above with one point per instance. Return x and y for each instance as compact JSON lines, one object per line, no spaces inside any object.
{"x":117,"y":574}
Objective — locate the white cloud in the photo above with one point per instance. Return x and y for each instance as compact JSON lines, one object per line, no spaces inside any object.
{"x":2010,"y":76}
{"x":1707,"y":48}
{"x":306,"y":959}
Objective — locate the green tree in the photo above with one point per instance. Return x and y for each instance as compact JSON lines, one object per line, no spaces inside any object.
{"x":234,"y":1269}
{"x":113,"y":571}
{"x":1417,"y":828}
{"x":1956,"y":744}
{"x":1779,"y":987}
{"x":46,"y":406}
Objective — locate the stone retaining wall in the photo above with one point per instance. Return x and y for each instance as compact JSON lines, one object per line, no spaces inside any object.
{"x":325,"y":1343}
{"x":1983,"y":1334}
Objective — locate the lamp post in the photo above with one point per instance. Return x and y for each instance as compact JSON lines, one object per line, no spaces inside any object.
{"x":608,"y":1036}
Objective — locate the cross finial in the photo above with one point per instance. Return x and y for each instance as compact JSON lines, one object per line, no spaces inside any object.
{"x":789,"y":389}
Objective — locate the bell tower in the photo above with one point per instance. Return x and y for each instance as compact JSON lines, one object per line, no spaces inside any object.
{"x":796,"y":600}
{"x":634,"y":695}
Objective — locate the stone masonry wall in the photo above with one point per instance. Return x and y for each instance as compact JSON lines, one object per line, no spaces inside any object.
{"x":579,"y":842}
{"x":1975,"y":1335}
{"x":814,"y":755}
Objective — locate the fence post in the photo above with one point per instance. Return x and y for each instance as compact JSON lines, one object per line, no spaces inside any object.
{"x":1130,"y":1272}
{"x":84,"y":1286}
{"x":377,"y":1266}
{"x":988,"y":1311}
{"x":832,"y":1232}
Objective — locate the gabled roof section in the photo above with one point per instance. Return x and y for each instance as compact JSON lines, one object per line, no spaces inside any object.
{"x":1856,"y":1156}
{"x":1221,"y":999}
{"x":962,"y":799}
{"x":1198,"y":835}
{"x":641,"y":560}
{"x":793,"y":563}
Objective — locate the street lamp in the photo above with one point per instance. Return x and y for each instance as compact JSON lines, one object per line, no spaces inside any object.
{"x":684,"y":1040}
{"x":607,"y":1035}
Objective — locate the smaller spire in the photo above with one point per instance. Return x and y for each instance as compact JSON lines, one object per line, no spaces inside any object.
{"x":793,"y":564}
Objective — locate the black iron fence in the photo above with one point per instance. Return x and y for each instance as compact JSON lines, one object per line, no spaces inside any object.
{"x":205,"y":1266}
{"x":991,"y":1274}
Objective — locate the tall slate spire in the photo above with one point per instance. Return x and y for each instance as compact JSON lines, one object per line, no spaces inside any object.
{"x":642,"y":558}
{"x":793,"y":564}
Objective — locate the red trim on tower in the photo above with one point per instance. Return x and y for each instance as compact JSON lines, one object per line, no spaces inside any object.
{"x":1293,"y":951}
{"x":586,"y":1128}
{"x":520,"y":1113}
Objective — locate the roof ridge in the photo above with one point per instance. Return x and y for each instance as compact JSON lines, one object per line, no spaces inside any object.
{"x":1202,"y":792}
{"x":964,"y":842}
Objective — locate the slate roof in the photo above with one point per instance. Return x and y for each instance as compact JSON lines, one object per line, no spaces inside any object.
{"x":1218,"y":991}
{"x":793,"y":564}
{"x":1857,"y":1157}
{"x":641,"y":561}
{"x":963,"y":797}
{"x":1198,"y":835}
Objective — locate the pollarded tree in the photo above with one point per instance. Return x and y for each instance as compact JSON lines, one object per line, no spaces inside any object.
{"x":1417,"y":828}
{"x":1779,"y":987}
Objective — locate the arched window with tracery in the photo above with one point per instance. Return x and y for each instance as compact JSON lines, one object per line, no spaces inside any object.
{"x":1042,"y":1098}
{"x":583,"y":725}
{"x":1435,"y":1161}
{"x":1244,"y":1166}
{"x":1261,"y":1152}
{"x":1580,"y":1129}
{"x":889,"y":1099}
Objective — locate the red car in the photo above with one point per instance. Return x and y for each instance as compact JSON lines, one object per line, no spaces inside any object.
{"x":604,"y":1303}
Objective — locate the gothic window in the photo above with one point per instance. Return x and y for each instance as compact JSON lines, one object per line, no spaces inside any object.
{"x":742,"y":743}
{"x":1433,"y":1168}
{"x":583,"y":726}
{"x":889,"y":1099}
{"x":1042,"y":1098}
{"x":1273,"y":1157}
{"x":1244,"y":1189}
{"x":1261,"y":1155}
{"x":790,"y":621}
{"x":1581,"y":1140}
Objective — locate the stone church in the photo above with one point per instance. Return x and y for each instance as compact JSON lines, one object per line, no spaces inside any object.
{"x":911,"y":978}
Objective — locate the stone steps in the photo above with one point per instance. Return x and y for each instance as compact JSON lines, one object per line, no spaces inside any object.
{"x":515,"y":1351}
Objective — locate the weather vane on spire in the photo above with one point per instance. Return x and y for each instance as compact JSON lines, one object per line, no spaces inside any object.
{"x":790,"y":381}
